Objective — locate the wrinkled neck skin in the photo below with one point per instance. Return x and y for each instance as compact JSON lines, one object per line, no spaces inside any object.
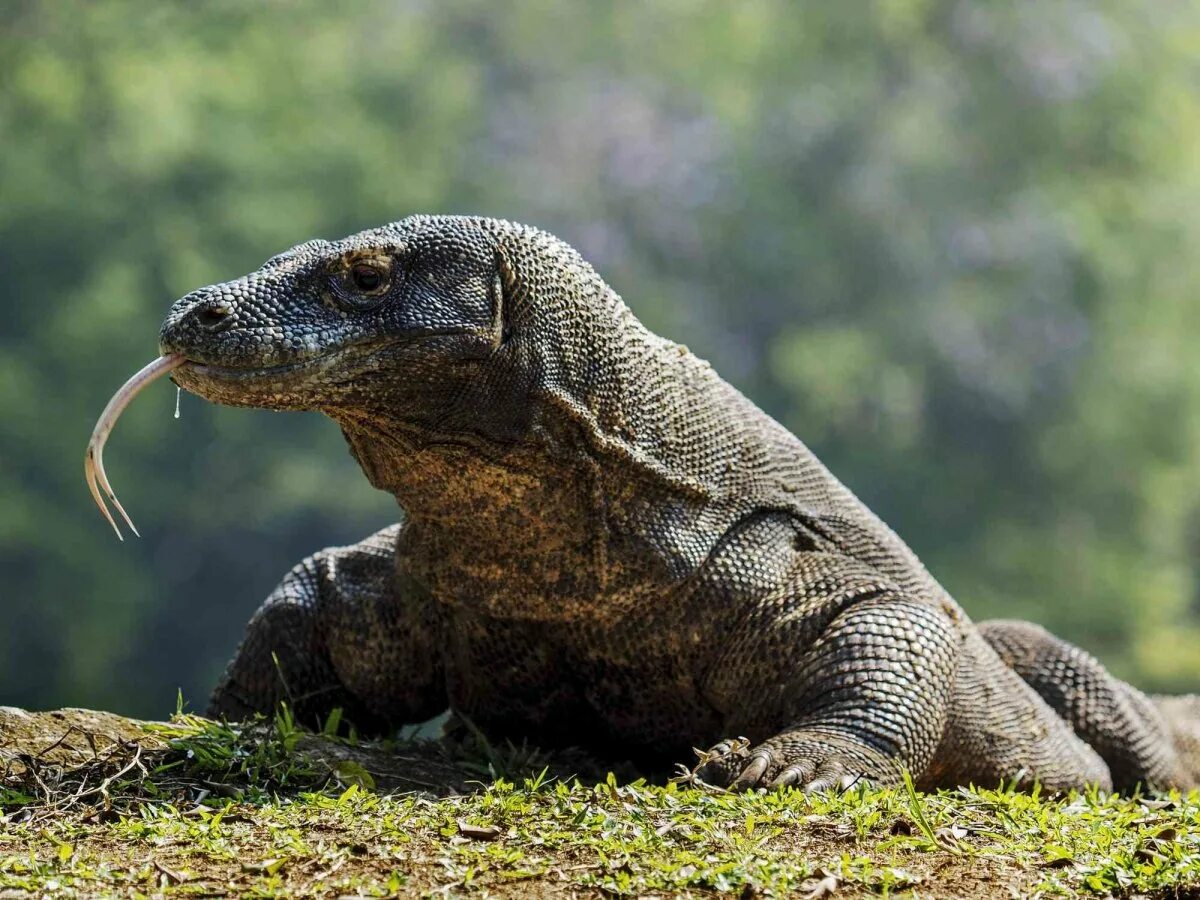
{"x":553,"y":476}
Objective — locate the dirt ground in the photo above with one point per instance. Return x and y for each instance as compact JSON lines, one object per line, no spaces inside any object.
{"x":96,"y":805}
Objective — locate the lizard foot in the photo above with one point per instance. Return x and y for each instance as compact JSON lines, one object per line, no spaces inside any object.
{"x":810,"y":761}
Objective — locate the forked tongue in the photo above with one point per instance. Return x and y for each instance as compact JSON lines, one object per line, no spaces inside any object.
{"x":93,"y":463}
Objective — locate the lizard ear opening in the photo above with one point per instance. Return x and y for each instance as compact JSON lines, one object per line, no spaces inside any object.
{"x":500,"y":332}
{"x":509,"y":296}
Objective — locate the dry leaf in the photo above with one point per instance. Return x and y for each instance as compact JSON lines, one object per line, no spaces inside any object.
{"x":478,"y":832}
{"x":1061,"y":862}
{"x":266,"y":867}
{"x":170,"y":874}
{"x":823,"y":884}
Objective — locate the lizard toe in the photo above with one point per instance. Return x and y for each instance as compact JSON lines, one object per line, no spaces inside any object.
{"x":799,"y":774}
{"x":808,"y":761}
{"x":811,"y":775}
{"x":834,"y":773}
{"x":722,"y":762}
{"x":758,"y":766}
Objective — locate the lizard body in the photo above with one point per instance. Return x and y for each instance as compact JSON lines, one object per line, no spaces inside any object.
{"x":604,"y":544}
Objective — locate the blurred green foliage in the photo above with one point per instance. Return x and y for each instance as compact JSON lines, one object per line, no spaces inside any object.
{"x":952,"y":245}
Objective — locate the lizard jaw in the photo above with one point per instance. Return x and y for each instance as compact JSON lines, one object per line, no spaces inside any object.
{"x":266,"y":387}
{"x":311,"y":383}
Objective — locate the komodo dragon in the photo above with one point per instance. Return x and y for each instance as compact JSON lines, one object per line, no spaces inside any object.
{"x":605,"y":545}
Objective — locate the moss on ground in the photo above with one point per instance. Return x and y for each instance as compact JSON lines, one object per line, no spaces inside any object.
{"x":211,"y":810}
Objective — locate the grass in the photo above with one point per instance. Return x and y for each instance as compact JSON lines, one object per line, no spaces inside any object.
{"x":218,"y":809}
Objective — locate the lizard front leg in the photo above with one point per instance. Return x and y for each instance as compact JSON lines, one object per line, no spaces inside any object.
{"x":344,"y":629}
{"x":836,"y":676}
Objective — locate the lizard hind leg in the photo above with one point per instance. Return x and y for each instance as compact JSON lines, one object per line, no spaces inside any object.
{"x":1181,"y":713}
{"x":1125,"y":727}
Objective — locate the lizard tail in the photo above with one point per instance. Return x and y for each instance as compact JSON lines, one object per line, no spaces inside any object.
{"x":1182,"y":716}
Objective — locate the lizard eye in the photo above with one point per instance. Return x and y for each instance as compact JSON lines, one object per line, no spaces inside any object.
{"x":368,"y":279}
{"x":363,"y":285}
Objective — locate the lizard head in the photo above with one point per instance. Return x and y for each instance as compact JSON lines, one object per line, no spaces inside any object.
{"x":426,"y":336}
{"x":339,"y":324}
{"x":452,"y":351}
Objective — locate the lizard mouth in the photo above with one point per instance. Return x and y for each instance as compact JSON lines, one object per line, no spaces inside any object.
{"x":289,"y":385}
{"x":256,"y":386}
{"x":197,"y":372}
{"x":229,"y":373}
{"x":221,"y":381}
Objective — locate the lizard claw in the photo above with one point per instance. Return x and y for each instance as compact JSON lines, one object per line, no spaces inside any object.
{"x":807,"y":763}
{"x":752,"y":775}
{"x":798,"y":774}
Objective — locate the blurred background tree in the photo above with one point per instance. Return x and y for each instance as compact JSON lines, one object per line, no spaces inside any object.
{"x":952,"y":245}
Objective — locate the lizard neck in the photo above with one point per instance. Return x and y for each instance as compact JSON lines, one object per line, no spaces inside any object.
{"x":575,"y":492}
{"x":516,"y":530}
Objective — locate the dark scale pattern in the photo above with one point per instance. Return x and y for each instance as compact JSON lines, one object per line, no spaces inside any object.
{"x":605,"y":544}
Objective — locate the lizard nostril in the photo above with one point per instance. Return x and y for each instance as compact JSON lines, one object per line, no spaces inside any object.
{"x":214,"y":317}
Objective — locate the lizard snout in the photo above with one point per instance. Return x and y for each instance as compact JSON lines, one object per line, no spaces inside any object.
{"x":193,"y":320}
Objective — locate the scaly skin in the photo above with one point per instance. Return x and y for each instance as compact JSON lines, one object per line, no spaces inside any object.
{"x":606,"y":545}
